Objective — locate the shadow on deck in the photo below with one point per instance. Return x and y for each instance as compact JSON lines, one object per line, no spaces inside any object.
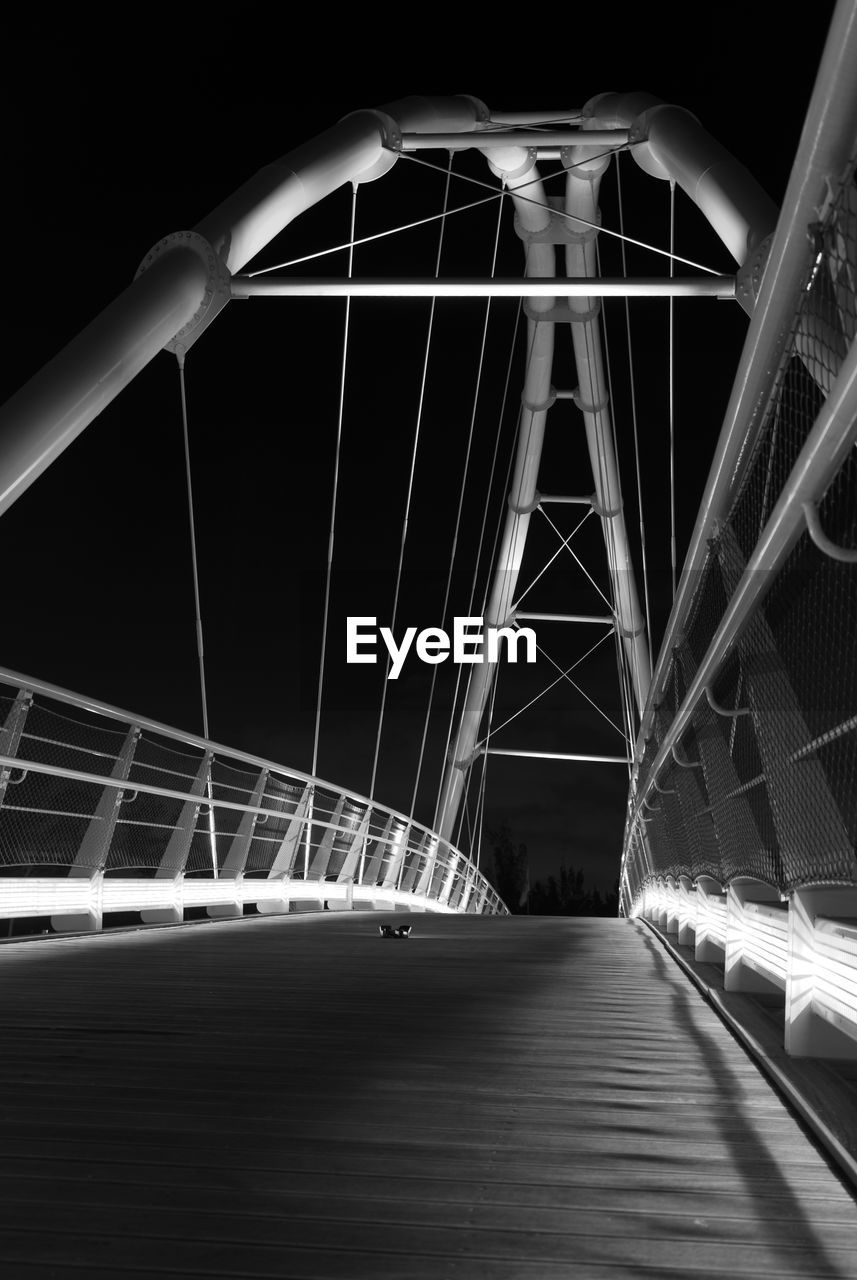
{"x":299,"y":1097}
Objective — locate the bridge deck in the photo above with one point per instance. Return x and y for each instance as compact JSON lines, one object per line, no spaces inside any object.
{"x":491,"y":1098}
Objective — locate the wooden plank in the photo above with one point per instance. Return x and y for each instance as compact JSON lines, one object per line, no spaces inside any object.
{"x":300,"y":1097}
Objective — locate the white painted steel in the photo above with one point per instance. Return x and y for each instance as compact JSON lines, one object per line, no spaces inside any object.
{"x":485,"y":139}
{"x":602,"y":287}
{"x":338,"y":821}
{"x":51,"y":410}
{"x":533,"y":215}
{"x":581,"y":200}
{"x":805,"y":947}
{"x":825,"y":449}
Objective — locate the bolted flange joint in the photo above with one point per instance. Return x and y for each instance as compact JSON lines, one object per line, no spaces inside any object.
{"x":218,"y":288}
{"x":748,"y":281}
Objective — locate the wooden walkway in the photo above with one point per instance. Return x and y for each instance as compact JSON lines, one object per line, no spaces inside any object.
{"x":299,"y":1098}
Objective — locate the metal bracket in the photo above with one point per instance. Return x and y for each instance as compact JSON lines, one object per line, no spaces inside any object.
{"x":664,"y":791}
{"x":682,"y":763}
{"x":529,"y":162}
{"x":748,"y":281}
{"x":724,"y":711}
{"x":218,"y":288}
{"x":845,"y":555}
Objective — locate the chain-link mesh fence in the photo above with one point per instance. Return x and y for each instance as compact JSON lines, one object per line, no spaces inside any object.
{"x":763,"y":781}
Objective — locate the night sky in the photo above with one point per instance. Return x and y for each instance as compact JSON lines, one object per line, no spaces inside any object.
{"x":109,"y":146}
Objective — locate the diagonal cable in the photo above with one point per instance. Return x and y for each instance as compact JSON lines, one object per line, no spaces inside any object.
{"x":577,"y":560}
{"x":197,"y":609}
{"x":576,"y":686}
{"x":547,"y":688}
{"x":574,"y":217}
{"x":406,"y":520}
{"x":460,"y":508}
{"x":563,"y":546}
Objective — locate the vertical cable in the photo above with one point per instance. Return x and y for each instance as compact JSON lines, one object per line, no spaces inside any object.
{"x":198,"y":612}
{"x":460,"y":508}
{"x":411,"y":479}
{"x":672,"y":389}
{"x":438,"y":816}
{"x":330,"y":541}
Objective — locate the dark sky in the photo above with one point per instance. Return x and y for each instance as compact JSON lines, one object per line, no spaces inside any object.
{"x":111,"y":144}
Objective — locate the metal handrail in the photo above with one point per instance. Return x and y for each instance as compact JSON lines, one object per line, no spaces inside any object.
{"x":96,"y":707}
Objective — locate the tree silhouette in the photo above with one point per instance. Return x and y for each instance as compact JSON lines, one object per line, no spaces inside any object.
{"x":565,"y":895}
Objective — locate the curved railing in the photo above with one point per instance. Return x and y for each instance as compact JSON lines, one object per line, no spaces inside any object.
{"x":746,"y":763}
{"x":105,"y":812}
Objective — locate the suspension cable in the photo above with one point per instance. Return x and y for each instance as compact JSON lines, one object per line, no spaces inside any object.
{"x":330,"y":541}
{"x":634,"y":419}
{"x":409,"y":226}
{"x":671,"y":392}
{"x":197,"y":610}
{"x":460,"y":507}
{"x":496,"y":195}
{"x":574,"y":217}
{"x":478,"y":558}
{"x":406,"y":519}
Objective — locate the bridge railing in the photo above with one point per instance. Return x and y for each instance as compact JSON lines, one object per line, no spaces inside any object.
{"x":742,"y":825}
{"x":102,"y":812}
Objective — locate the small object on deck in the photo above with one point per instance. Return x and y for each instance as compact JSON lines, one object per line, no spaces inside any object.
{"x":390,"y":931}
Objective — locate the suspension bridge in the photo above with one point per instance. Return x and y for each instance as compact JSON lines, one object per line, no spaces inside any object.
{"x":261,"y":1023}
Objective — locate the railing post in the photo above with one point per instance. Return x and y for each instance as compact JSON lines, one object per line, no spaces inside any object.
{"x":807,"y":1034}
{"x":687,"y":912}
{"x":10,"y":734}
{"x":174,"y":860}
{"x":710,"y":922}
{"x":94,"y":850}
{"x":239,"y":848}
{"x":321,"y":861}
{"x":738,"y":974}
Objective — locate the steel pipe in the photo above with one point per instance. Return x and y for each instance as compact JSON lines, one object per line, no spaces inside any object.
{"x":606,"y":621}
{"x":556,"y":755}
{"x":518,"y":169}
{"x":485,"y":139}
{"x":51,"y":410}
{"x":578,"y":287}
